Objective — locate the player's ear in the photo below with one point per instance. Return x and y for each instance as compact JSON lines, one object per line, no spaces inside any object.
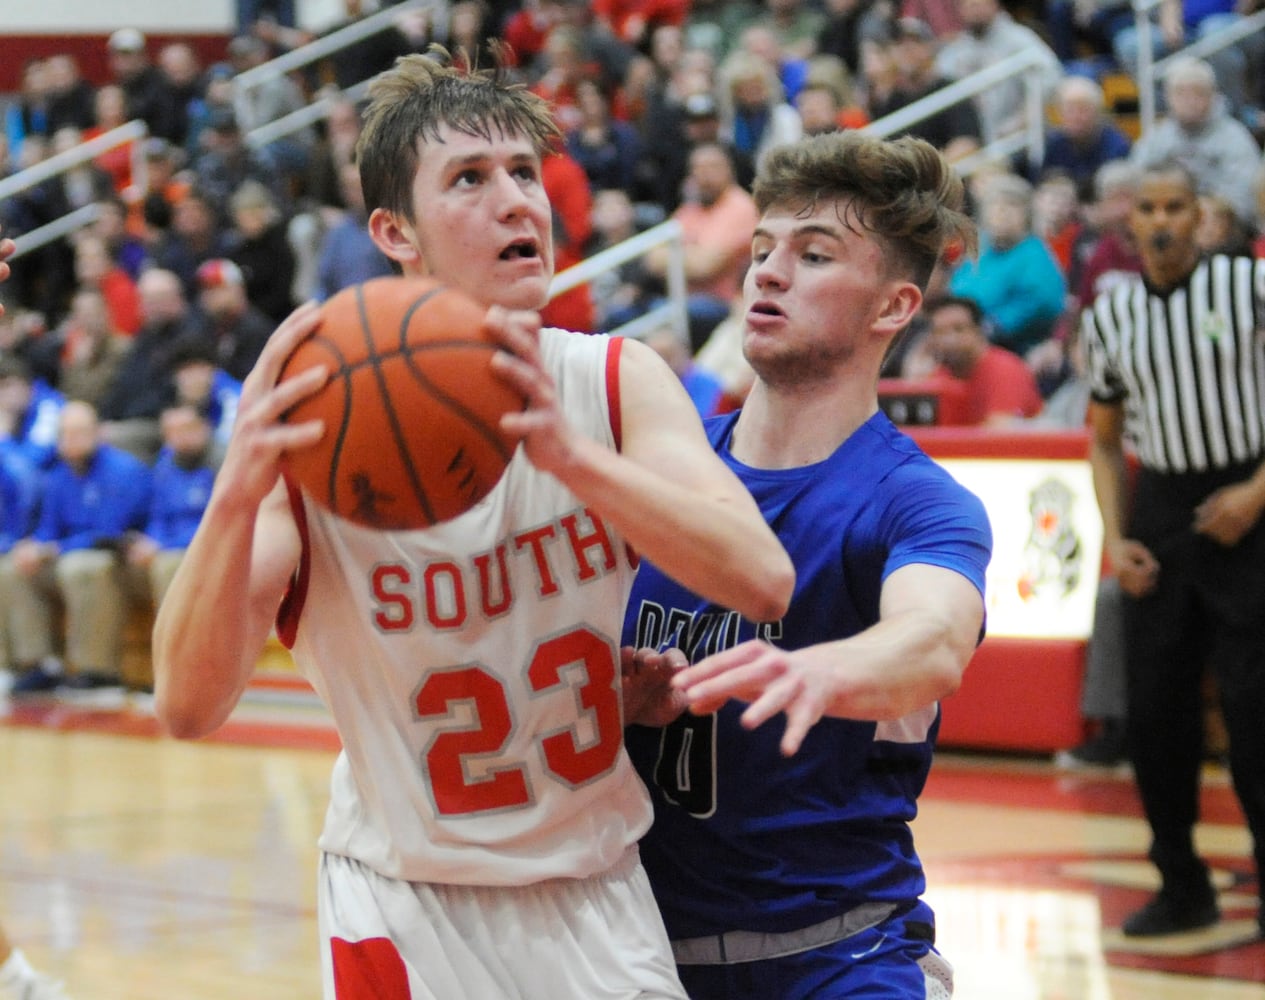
{"x":394,"y":236}
{"x":901,"y":304}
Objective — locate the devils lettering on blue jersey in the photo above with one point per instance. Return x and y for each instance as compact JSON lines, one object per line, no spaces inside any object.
{"x":744,"y":838}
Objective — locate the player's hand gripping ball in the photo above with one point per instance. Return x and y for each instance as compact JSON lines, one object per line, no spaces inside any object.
{"x":412,"y":410}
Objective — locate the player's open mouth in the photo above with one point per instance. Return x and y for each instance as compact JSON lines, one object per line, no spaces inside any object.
{"x":765,"y":308}
{"x":520,"y":249}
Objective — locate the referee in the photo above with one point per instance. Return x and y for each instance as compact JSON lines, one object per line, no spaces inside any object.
{"x":1177,"y":364}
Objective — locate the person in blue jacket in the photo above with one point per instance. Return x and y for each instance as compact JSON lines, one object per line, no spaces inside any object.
{"x":1016,"y":279}
{"x":19,"y":499}
{"x":94,"y":494}
{"x":183,"y":476}
{"x":781,"y":854}
{"x":29,"y":411}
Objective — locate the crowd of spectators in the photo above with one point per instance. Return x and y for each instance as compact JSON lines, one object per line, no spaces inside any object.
{"x":204,"y":239}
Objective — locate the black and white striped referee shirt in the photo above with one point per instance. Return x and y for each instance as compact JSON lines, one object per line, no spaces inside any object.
{"x":1189,"y":365}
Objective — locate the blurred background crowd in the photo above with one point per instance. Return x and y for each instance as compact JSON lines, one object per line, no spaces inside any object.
{"x":201,"y":240}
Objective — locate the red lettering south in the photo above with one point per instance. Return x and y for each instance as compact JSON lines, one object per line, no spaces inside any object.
{"x":581,"y":544}
{"x":395,"y":609}
{"x":534,"y":540}
{"x":493,"y":606}
{"x":445,"y":595}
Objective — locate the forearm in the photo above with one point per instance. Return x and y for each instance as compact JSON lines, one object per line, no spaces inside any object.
{"x":896,"y":667}
{"x":1107,"y":466}
{"x":206,"y":638}
{"x":717,"y":545}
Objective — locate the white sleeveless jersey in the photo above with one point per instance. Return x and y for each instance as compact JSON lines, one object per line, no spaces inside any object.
{"x":472,"y":670}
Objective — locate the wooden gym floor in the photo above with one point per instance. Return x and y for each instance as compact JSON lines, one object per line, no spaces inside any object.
{"x":136,"y":867}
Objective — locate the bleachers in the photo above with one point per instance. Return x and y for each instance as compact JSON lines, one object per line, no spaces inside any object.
{"x":1122,"y":97}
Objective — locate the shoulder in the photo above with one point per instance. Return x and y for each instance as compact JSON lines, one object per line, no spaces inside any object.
{"x":573,"y":359}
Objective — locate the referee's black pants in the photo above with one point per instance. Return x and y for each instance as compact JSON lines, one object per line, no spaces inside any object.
{"x":1208,"y":610}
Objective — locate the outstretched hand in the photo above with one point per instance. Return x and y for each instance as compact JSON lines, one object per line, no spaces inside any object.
{"x":771,"y":679}
{"x":261,"y":437}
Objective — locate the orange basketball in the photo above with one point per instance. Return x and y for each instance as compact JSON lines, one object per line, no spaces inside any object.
{"x":411,"y":410}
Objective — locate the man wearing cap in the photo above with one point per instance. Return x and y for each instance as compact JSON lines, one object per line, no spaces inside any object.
{"x":954,"y":130}
{"x":674,"y":126}
{"x":238,"y":329}
{"x":148,"y":97}
{"x":717,"y":219}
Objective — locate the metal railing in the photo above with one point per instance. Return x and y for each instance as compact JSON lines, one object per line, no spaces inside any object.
{"x":59,"y":163}
{"x":1033,"y":135}
{"x":256,"y":138}
{"x":671,"y":313}
{"x":333,"y":42}
{"x":1151,"y":70}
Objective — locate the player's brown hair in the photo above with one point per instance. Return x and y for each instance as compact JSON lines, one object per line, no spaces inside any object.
{"x":413,"y":100}
{"x":903,"y":191}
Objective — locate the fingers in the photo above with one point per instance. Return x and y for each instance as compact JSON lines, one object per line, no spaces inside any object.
{"x":799,"y":720}
{"x":286,"y":395}
{"x":525,"y":378}
{"x":515,"y":331}
{"x":294,"y":329}
{"x":746,"y":683}
{"x":717,"y":665}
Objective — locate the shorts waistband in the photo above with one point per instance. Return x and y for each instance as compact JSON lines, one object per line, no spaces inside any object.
{"x":733,"y":947}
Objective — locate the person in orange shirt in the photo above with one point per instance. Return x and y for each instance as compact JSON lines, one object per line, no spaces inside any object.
{"x":717,"y":218}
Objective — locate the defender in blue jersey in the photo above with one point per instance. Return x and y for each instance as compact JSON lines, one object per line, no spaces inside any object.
{"x":781,"y":854}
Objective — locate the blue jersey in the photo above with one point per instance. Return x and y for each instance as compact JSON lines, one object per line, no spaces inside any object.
{"x":178,"y":501}
{"x":83,"y":510}
{"x":744,"y":838}
{"x":36,"y":431}
{"x":19,"y":495}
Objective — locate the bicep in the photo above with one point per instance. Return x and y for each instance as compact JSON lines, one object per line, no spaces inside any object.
{"x":661,"y":429}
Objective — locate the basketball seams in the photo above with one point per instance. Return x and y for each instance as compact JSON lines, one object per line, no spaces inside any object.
{"x":423,"y":443}
{"x":375,"y":362}
{"x":453,"y":404}
{"x":342,"y":374}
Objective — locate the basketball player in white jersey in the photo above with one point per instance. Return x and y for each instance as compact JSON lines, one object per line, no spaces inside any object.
{"x":481,"y":835}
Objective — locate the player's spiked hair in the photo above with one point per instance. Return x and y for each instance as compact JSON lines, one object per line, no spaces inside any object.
{"x":412,"y":101}
{"x":903,"y":191}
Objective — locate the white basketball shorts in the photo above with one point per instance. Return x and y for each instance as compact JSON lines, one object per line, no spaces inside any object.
{"x":599,"y":938}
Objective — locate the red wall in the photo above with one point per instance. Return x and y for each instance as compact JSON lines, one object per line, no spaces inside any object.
{"x":90,"y":51}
